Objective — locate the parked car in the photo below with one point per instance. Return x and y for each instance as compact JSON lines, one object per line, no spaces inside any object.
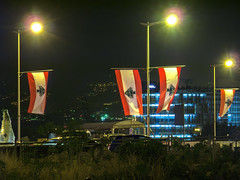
{"x":118,"y":139}
{"x":86,"y":144}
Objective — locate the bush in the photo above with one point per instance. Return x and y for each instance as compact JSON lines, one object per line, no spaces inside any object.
{"x":139,"y":160}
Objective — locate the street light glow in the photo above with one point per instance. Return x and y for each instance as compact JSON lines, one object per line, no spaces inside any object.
{"x":229,"y":63}
{"x":172,"y":19}
{"x":36,"y":27}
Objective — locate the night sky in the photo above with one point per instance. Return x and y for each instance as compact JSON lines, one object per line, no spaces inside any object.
{"x":82,"y":40}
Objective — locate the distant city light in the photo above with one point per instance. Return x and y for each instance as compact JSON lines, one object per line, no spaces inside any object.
{"x":197,"y":129}
{"x":104,"y":117}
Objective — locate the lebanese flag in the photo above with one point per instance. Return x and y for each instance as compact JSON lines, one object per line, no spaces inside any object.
{"x":38,"y":90}
{"x":130,"y":89}
{"x":169,"y":78}
{"x":226,"y":100}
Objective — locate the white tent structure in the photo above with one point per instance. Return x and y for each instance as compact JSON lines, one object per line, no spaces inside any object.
{"x":116,"y":127}
{"x":133,"y":127}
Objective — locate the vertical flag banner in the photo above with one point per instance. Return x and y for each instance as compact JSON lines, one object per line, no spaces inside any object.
{"x":226,"y":100}
{"x":169,"y":79}
{"x":130,"y":89}
{"x":38,"y":90}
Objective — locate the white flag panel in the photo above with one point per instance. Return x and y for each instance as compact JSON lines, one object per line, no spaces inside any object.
{"x":38,"y":90}
{"x":130,"y":89}
{"x":226,"y":100}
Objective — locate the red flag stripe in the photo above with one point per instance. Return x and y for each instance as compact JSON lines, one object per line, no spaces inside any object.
{"x":121,"y":92}
{"x":32,"y":88}
{"x":222,"y":102}
{"x":233,"y":94}
{"x":46,"y":80}
{"x":138,"y":85}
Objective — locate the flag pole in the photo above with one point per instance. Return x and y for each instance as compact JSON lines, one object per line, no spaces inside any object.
{"x":19,"y":76}
{"x":150,"y":68}
{"x":35,"y":71}
{"x":214,"y":103}
{"x":148,"y":81}
{"x":150,"y":128}
{"x":227,"y":88}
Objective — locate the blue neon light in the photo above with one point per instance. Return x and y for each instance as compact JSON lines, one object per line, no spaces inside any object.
{"x":151,"y":86}
{"x":162,"y":115}
{"x":156,"y":94}
{"x":189,"y":104}
{"x":184,"y":95}
{"x":166,"y":115}
{"x":166,"y":136}
{"x":187,"y":115}
{"x":185,"y":105}
{"x":150,"y":104}
{"x":170,"y":125}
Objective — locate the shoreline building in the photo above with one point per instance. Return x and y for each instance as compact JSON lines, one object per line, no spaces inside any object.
{"x":195,"y":106}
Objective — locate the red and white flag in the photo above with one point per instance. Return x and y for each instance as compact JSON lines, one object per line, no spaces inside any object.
{"x":130,"y":89}
{"x":38,"y":90}
{"x":226,"y":100}
{"x":169,"y":78}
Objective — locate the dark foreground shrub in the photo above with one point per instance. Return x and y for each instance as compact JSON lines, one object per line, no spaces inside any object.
{"x":151,"y":150}
{"x":138,"y":160}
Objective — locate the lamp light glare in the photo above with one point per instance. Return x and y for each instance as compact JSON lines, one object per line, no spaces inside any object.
{"x":229,"y":63}
{"x":172,"y":19}
{"x":36,"y":27}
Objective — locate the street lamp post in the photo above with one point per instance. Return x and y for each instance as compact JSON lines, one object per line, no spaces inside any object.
{"x":228,"y":63}
{"x":35,"y":27}
{"x":148,"y":82}
{"x":171,"y":20}
{"x":19,"y":76}
{"x":214,"y":102}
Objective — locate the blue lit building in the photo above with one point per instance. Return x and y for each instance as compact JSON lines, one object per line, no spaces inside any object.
{"x":198,"y":114}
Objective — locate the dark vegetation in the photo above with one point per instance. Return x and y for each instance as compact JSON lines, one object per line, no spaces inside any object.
{"x":139,"y":160}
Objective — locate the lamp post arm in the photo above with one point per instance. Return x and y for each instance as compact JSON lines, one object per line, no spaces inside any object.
{"x":151,"y":23}
{"x":36,"y":71}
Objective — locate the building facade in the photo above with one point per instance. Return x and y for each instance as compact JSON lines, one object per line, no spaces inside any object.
{"x":197,"y":112}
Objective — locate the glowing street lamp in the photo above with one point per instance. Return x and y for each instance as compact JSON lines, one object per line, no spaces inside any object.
{"x":171,"y":20}
{"x":36,"y":27}
{"x":228,"y":63}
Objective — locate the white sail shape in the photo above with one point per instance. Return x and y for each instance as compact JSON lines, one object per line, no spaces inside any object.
{"x":6,"y":131}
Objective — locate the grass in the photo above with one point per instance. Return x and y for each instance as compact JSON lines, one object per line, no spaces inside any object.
{"x":132,"y":161}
